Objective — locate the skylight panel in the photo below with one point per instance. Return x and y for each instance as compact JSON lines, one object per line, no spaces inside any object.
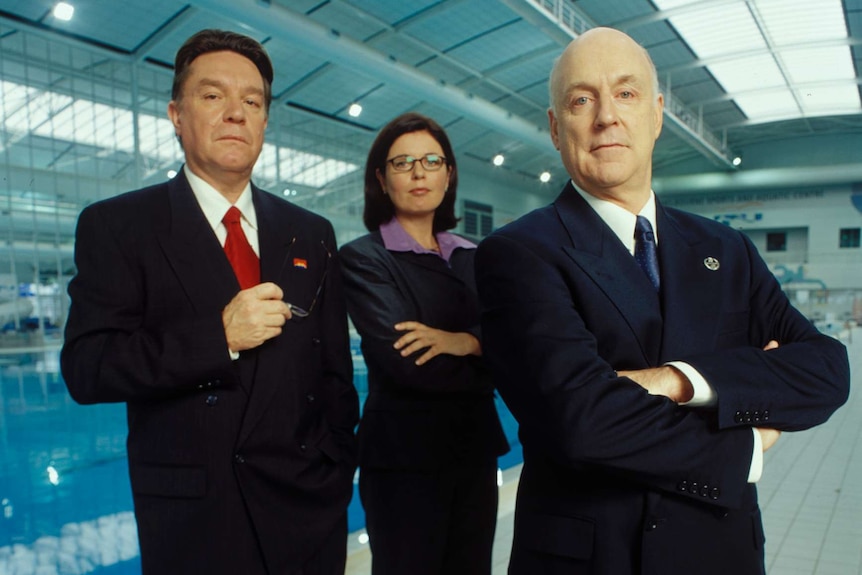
{"x":716,"y":30}
{"x":745,"y":74}
{"x":769,"y":105}
{"x":818,"y":64}
{"x":738,"y":37}
{"x":795,"y":22}
{"x":828,"y":100}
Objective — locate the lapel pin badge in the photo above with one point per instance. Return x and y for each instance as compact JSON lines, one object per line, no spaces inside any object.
{"x":711,"y":263}
{"x":300,"y":263}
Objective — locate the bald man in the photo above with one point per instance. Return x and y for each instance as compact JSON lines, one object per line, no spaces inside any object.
{"x":649,"y":355}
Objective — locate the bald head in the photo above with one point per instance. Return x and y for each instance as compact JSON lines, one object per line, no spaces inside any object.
{"x":605,"y":116}
{"x":597,"y":41}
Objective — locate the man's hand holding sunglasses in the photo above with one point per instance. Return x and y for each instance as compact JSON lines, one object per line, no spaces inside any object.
{"x":255,"y":315}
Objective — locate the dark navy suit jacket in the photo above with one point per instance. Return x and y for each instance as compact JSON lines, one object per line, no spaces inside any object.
{"x":233,"y":464}
{"x":428,"y":417}
{"x":616,"y":480}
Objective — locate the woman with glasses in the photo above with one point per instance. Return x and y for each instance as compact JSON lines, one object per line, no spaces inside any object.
{"x":429,"y":435}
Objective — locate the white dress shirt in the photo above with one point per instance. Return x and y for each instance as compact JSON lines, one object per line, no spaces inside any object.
{"x":215,"y":206}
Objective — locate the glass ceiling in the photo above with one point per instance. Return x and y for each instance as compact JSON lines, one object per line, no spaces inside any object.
{"x":28,"y":110}
{"x":777,"y":59}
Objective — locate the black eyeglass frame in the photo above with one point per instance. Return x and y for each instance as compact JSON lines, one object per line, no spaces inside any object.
{"x":301,"y":313}
{"x":411,"y":160}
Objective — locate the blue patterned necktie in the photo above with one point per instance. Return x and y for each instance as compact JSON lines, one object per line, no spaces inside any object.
{"x":645,"y":251}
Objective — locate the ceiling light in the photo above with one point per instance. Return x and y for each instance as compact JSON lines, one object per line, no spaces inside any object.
{"x":737,"y":160}
{"x":498,"y":160}
{"x":354,"y":110}
{"x":64,"y":11}
{"x":53,"y":475}
{"x":545,"y":177}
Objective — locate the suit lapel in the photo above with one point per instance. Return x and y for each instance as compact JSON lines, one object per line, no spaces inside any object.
{"x":193,"y":250}
{"x":276,"y":235}
{"x":688,"y":286}
{"x":600,"y":254}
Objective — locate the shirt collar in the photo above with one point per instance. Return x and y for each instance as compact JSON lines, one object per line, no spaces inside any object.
{"x":396,"y":239}
{"x":620,"y":220}
{"x":215,"y":205}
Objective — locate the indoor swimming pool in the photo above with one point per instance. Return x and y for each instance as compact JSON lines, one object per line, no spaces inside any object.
{"x":65,"y":499}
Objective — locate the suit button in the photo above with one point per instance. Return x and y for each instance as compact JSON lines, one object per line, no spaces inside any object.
{"x":747,"y":417}
{"x":756,"y":417}
{"x":200,"y":386}
{"x":682,"y":486}
{"x":302,"y":447}
{"x":310,"y":398}
{"x":315,"y":341}
{"x":737,"y":417}
{"x":693,"y":487}
{"x":715,"y":493}
{"x":704,"y":491}
{"x":212,"y":400}
{"x":239,"y":458}
{"x":216,"y":382}
{"x":651,"y":525}
{"x":765,"y":415}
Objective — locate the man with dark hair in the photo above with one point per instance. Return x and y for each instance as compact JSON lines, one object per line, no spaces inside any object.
{"x":215,"y":311}
{"x":649,"y":355}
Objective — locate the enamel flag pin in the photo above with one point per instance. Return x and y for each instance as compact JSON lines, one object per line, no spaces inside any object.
{"x":300,"y":263}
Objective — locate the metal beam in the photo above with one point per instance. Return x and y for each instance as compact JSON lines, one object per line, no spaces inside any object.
{"x":760,"y":179}
{"x":309,"y":35}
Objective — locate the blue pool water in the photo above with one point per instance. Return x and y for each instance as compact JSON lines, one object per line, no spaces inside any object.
{"x":65,"y":500}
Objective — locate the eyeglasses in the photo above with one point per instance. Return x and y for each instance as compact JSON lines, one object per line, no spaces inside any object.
{"x":431,"y":162}
{"x":301,"y":313}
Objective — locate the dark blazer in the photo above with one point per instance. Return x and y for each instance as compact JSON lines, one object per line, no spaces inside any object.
{"x":229,"y":460}
{"x":419,"y":417}
{"x":616,"y":480}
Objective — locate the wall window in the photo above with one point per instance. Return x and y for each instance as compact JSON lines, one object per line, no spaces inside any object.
{"x":776,"y":242}
{"x":848,"y":238}
{"x":478,"y":219}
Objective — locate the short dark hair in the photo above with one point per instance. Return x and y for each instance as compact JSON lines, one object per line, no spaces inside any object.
{"x":212,"y":40}
{"x":378,"y":206}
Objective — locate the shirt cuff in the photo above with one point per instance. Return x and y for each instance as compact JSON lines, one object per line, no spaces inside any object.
{"x":756,"y":469}
{"x":234,"y":355}
{"x":704,"y":395}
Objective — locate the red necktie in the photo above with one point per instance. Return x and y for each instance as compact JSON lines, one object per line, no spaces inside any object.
{"x":242,"y":258}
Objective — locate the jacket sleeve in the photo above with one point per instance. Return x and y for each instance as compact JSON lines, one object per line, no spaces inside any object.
{"x":112,"y":352}
{"x":377,"y":299}
{"x":342,"y":402}
{"x":795,"y":387}
{"x":571,"y":405}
